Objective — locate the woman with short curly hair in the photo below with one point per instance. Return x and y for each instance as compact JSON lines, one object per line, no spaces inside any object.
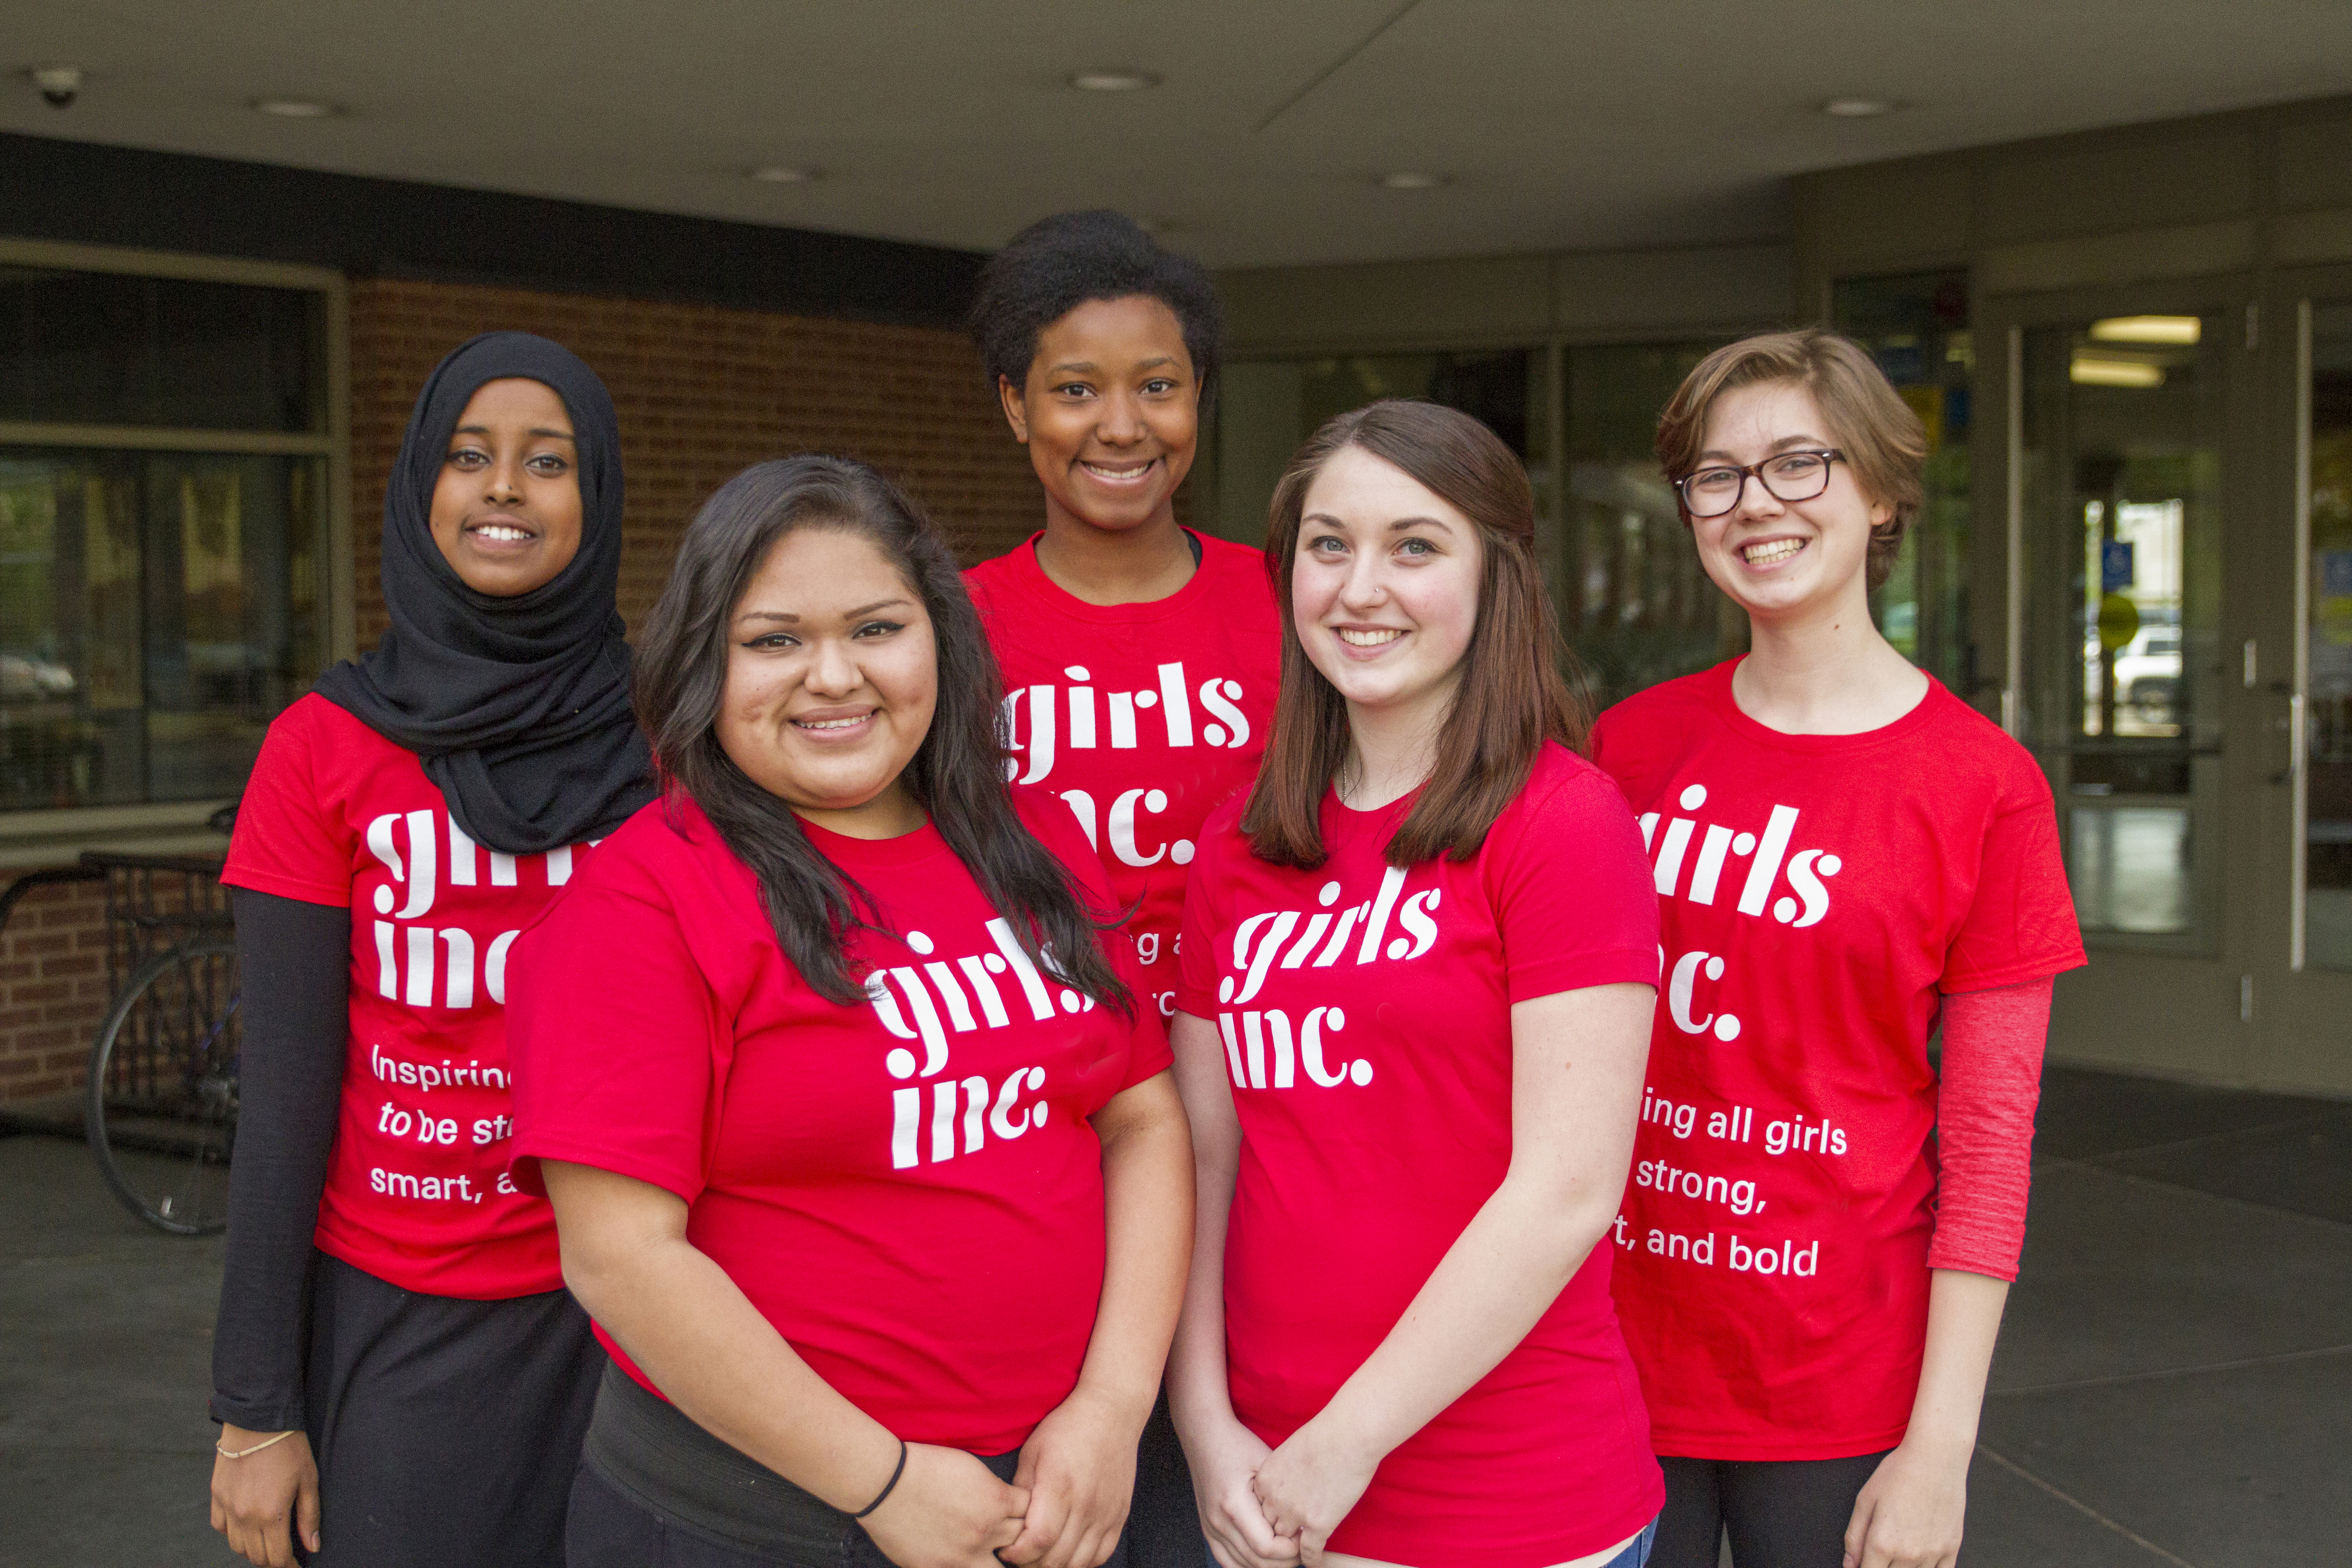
{"x":1819,"y":1232}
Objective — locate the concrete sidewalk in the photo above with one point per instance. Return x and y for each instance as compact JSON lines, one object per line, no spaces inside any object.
{"x":106,"y":1338}
{"x":2174,"y":1384}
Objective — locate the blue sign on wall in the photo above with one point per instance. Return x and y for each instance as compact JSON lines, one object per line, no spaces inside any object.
{"x":2336,"y":574}
{"x":2115,"y":566}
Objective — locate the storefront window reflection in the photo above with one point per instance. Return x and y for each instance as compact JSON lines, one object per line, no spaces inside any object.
{"x":1635,"y":605}
{"x":1917,"y":327}
{"x":159,"y":603}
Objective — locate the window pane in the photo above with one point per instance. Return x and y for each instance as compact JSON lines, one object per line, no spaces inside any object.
{"x":93,"y":348}
{"x":1265,"y":409}
{"x":1634,"y":604}
{"x":156,"y":611}
{"x":2121,"y":483}
{"x":1916,"y":328}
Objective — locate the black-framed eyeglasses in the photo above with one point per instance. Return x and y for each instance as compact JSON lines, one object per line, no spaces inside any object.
{"x":1785,"y":476}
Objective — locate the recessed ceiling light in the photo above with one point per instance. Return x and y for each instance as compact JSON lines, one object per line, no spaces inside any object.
{"x":1411,"y":180}
{"x":1859,"y":107}
{"x":296,"y":108}
{"x":60,"y":85}
{"x":781,"y":175}
{"x":1113,"y":81}
{"x":2182,"y":330}
{"x":2100,"y":370}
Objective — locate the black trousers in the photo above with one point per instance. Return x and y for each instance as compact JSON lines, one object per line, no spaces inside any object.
{"x":611,"y":1529}
{"x":654,"y":1491}
{"x":1779,"y":1513}
{"x":1163,"y":1528}
{"x":445,"y":1431}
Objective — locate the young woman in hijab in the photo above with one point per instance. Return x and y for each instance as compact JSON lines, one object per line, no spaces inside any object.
{"x":398,"y":1373}
{"x":1141,"y":658}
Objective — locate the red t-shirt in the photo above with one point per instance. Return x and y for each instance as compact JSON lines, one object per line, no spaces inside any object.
{"x":1145,"y":717}
{"x":1819,"y":893}
{"x":908,"y":1189}
{"x":1365,"y":1012}
{"x":416,"y":1189}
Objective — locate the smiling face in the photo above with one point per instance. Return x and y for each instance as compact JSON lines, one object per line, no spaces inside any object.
{"x":1384,"y":587}
{"x":831,"y":677}
{"x":1781,"y":559}
{"x":505,"y":507}
{"x":1110,"y":413}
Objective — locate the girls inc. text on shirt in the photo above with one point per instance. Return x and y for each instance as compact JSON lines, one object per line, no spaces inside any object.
{"x":411,"y":958}
{"x":1768,"y":856}
{"x":1263,"y":943}
{"x":933,"y":991}
{"x":1042,"y":724}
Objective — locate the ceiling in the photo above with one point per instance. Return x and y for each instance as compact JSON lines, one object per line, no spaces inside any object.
{"x":1558,"y":123}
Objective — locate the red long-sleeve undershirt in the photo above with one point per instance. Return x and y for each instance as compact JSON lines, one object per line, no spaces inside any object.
{"x":1984,"y":1125}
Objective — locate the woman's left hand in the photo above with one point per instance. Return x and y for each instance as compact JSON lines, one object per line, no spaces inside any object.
{"x":1309,"y":1484}
{"x":1910,"y":1512}
{"x":1080,"y":1469}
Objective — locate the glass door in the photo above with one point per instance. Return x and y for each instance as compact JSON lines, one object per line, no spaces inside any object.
{"x":2303,"y":999}
{"x":2123,"y":429}
{"x":2326,"y":763}
{"x":2121,"y":469}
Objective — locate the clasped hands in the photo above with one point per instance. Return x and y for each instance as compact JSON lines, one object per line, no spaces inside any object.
{"x":1064,"y":1508}
{"x":1276,"y":1508}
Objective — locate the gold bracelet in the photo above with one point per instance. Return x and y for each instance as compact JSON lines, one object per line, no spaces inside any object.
{"x":241,"y":1453}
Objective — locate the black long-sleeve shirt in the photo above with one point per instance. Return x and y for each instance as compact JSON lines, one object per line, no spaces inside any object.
{"x":294,"y":959}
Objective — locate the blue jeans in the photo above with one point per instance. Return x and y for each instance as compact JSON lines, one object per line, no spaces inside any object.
{"x":1637,"y":1552}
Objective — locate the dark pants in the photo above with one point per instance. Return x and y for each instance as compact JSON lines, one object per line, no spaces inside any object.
{"x":610,"y":1529}
{"x":1163,"y":1528}
{"x":654,"y":1491}
{"x":1779,"y":1513}
{"x":445,"y":1431}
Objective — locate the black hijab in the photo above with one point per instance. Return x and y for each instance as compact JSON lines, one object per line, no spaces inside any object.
{"x":518,"y":707}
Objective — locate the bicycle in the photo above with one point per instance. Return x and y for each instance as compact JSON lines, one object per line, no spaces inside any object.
{"x":161,"y":1106}
{"x":163,"y":1095}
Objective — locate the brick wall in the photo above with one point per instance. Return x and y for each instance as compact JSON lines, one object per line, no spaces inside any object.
{"x":53,"y":980}
{"x":702,"y":392}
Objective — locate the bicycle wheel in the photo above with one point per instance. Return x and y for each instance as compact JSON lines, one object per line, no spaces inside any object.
{"x":162,"y":1111}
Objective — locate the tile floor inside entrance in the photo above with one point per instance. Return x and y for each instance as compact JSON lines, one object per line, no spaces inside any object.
{"x":2174,"y":1383}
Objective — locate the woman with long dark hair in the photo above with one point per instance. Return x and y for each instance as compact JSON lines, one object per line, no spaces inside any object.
{"x":399,"y":1373}
{"x":1139,"y":657}
{"x":1822,"y":1224}
{"x":863,"y":1147}
{"x":1419,"y":964}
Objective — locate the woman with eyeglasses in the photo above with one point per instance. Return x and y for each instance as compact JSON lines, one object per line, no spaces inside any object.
{"x":1817,"y":1241}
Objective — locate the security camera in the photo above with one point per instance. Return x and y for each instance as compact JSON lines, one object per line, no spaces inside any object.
{"x":58,"y":84}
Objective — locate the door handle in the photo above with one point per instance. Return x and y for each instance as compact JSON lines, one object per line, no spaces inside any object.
{"x":2295,"y":735}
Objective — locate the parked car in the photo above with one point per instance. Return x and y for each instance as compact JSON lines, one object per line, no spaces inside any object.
{"x":2147,"y":673}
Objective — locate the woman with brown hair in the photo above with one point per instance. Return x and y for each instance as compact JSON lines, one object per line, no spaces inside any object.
{"x":1418,"y":971}
{"x":1845,"y":851}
